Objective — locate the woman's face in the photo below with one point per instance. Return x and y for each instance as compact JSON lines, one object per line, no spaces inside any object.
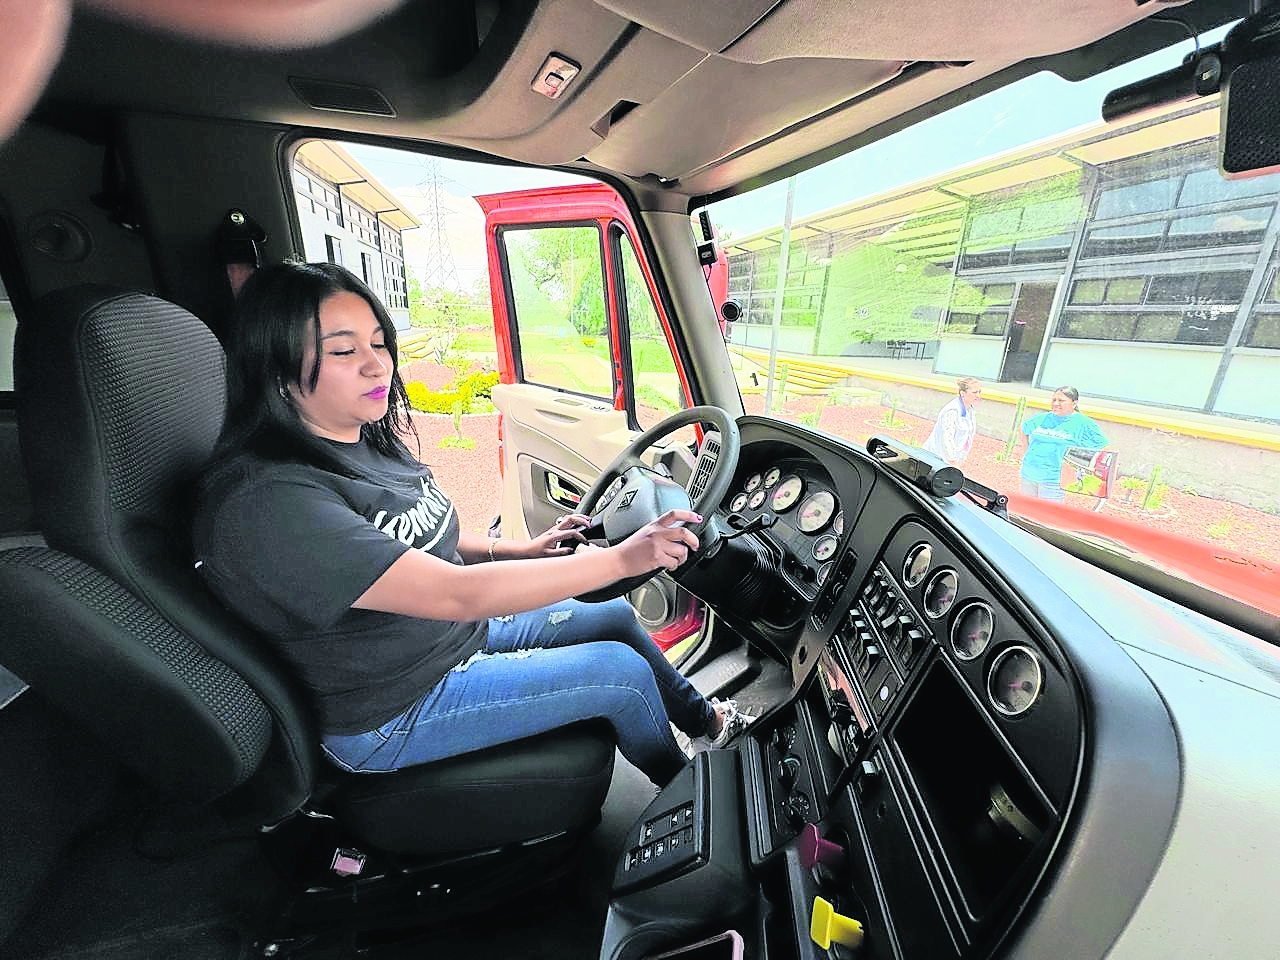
{"x":1062,"y":405}
{"x":355,"y":370}
{"x":971,"y":394}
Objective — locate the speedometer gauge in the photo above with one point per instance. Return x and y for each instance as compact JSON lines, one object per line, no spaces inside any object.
{"x":753,"y":481}
{"x":738,"y":502}
{"x":787,"y":494}
{"x":772,"y":477}
{"x":815,"y":513}
{"x":757,"y":500}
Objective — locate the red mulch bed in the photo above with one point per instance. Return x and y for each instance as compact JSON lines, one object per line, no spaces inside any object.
{"x":1219,"y":522}
{"x":470,"y":477}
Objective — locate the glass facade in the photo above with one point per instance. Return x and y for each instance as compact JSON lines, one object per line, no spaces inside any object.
{"x":1150,"y":251}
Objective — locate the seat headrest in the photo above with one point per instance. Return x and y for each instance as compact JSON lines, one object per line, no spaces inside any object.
{"x":120,"y":400}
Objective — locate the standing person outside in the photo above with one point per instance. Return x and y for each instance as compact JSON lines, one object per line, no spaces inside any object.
{"x":1049,"y":436}
{"x":416,"y":640}
{"x":957,"y":424}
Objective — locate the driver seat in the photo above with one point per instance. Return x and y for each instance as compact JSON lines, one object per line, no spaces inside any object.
{"x":120,"y":401}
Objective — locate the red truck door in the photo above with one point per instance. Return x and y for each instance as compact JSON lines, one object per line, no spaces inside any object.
{"x":587,"y":359}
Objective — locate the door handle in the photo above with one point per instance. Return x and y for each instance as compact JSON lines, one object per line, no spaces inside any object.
{"x":563,"y":493}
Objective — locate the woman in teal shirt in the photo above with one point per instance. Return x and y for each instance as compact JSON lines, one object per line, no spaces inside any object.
{"x":1049,"y":436}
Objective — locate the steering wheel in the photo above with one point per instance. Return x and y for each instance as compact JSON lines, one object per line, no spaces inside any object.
{"x":628,"y":493}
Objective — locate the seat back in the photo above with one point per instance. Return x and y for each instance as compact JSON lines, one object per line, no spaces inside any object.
{"x":120,"y":400}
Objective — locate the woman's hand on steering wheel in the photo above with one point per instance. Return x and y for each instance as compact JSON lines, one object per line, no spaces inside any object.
{"x":662,"y":544}
{"x":561,"y":538}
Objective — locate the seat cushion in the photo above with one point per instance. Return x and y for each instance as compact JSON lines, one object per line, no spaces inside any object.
{"x":529,"y":788}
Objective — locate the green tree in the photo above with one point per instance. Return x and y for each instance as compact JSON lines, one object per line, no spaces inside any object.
{"x":564,"y":266}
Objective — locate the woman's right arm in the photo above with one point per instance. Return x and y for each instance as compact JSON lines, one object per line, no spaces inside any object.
{"x":421,"y":585}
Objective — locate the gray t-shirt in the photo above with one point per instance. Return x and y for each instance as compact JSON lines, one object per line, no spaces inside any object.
{"x":289,"y":547}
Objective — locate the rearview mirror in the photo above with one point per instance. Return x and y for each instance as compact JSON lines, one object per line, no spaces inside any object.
{"x":1245,"y":69}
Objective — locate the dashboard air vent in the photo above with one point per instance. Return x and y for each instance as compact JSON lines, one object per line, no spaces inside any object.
{"x":707,"y":459}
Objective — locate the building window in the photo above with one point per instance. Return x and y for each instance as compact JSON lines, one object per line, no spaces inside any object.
{"x":1198,"y":308}
{"x":980,"y":309}
{"x":333,"y":249}
{"x":1263,"y":329}
{"x":1021,"y":232}
{"x":366,"y":267}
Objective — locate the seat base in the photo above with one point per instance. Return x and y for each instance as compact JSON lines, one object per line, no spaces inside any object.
{"x":536,"y":787}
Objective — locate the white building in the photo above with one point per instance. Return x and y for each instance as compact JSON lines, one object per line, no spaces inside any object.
{"x":348,"y":217}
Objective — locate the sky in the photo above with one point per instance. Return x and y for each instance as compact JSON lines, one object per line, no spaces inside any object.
{"x":1038,"y":107}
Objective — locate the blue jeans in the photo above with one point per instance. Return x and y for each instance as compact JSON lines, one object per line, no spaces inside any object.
{"x":538,"y":671}
{"x":1045,"y":491}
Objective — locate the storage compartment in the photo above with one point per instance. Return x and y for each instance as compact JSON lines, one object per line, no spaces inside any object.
{"x":726,"y":946}
{"x":987,"y":818}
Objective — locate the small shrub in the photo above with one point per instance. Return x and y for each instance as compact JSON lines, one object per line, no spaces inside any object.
{"x":1219,"y":530}
{"x":1155,"y":497}
{"x":460,"y":443}
{"x":472,"y":391}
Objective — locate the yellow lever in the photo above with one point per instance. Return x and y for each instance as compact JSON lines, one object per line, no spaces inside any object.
{"x":828,"y":927}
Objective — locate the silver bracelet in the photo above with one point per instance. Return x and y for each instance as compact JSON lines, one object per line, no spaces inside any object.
{"x":492,"y":542}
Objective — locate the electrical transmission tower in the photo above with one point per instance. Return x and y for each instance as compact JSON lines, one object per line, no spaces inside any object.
{"x":439,"y":269}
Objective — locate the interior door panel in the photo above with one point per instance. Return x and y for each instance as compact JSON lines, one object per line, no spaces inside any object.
{"x":549,"y":434}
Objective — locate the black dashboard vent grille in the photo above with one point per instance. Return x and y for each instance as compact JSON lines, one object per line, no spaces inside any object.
{"x":707,"y":460}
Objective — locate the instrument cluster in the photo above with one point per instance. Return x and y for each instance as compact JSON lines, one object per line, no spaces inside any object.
{"x":796,"y":502}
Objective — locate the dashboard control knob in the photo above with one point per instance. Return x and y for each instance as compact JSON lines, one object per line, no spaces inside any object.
{"x":784,"y":737}
{"x":788,"y":770}
{"x":797,"y":808}
{"x":815,"y":849}
{"x":827,"y":927}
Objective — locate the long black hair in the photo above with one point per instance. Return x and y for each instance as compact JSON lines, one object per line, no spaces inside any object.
{"x":277,"y":310}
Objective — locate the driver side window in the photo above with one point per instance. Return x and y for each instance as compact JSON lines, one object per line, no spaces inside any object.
{"x":557,"y":290}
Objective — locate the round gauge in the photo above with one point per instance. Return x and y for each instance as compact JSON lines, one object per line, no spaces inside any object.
{"x":940,"y":593}
{"x":787,"y":494}
{"x":772,"y":476}
{"x":917,"y":564}
{"x":837,"y":525}
{"x":823,"y":572}
{"x":757,"y":500}
{"x":815,"y":512}
{"x":753,"y":481}
{"x":1015,"y":680}
{"x":738,"y":502}
{"x":972,"y":631}
{"x":824,"y":548}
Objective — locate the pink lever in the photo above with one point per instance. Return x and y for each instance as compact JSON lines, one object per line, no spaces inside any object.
{"x":815,"y":850}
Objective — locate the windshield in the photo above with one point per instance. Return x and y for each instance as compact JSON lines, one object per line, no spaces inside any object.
{"x":1084,"y":316}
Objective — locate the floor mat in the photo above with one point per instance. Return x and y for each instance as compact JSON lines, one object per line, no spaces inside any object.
{"x":214,"y":941}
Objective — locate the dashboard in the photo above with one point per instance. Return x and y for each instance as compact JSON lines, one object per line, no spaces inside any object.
{"x":969,"y":742}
